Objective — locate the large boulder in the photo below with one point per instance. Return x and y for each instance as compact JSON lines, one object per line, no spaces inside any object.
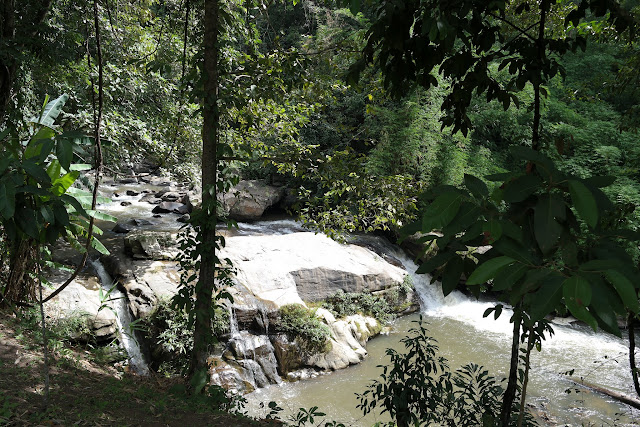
{"x":303,"y":267}
{"x":248,"y":200}
{"x":156,"y":245}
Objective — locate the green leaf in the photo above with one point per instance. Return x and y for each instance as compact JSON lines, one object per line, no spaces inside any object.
{"x":62,"y":184}
{"x":546,"y":298}
{"x":492,"y":229}
{"x":508,"y":277}
{"x":37,"y":172}
{"x":467,"y":215}
{"x":514,"y":249}
{"x":98,"y":246}
{"x":26,"y":221}
{"x":64,"y":152}
{"x":577,"y":290}
{"x":451,"y":275}
{"x":521,"y":188}
{"x":435,"y":262}
{"x":488,"y":269}
{"x":441,"y":211}
{"x":52,"y":111}
{"x":54,"y":170}
{"x":7,"y":199}
{"x":477,"y":187}
{"x":80,"y":167}
{"x":600,"y":181}
{"x":601,"y":264}
{"x":584,"y":202}
{"x":625,"y":289}
{"x":61,"y":215}
{"x":102,"y":216}
{"x":546,"y":229}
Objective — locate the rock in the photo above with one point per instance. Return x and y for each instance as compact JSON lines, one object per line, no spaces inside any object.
{"x":317,"y":284}
{"x":346,"y":346}
{"x":132,"y":193}
{"x":256,"y":355}
{"x":139,"y":222}
{"x":248,"y":200}
{"x":125,"y":203}
{"x":168,"y":207}
{"x":184,"y":218}
{"x":229,"y":376}
{"x":81,"y":298}
{"x":157,"y":216}
{"x":130,"y":180}
{"x":156,"y":245}
{"x":303,"y":266}
{"x":122,"y":228}
{"x":287,"y":354}
{"x":170,"y":196}
{"x":151,"y":198}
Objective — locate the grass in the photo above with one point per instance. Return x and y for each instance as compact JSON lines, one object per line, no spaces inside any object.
{"x":85,"y":393}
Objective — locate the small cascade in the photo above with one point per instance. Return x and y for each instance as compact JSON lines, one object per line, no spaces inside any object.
{"x":117,"y":301}
{"x":233,"y":323}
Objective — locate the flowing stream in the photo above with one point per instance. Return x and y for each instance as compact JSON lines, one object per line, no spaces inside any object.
{"x":116,"y":300}
{"x":464,"y":336}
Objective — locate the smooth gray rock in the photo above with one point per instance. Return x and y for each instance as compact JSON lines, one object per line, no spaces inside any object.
{"x":156,"y":245}
{"x":248,"y":200}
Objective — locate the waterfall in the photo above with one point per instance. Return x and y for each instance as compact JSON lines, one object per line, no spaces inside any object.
{"x":117,"y":301}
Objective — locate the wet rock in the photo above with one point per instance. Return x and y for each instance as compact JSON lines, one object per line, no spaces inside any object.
{"x":156,"y":245}
{"x":287,"y":354}
{"x":184,"y":218}
{"x":248,"y":200}
{"x":170,"y":196}
{"x":129,"y":180}
{"x":171,"y":207}
{"x":122,"y":228}
{"x":132,"y":193}
{"x":151,"y":199}
{"x":255,"y":354}
{"x":125,"y":203}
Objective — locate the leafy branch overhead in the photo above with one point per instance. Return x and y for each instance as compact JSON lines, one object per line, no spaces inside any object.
{"x":536,"y":254}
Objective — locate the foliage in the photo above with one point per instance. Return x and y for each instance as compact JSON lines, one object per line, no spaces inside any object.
{"x":344,"y":304}
{"x":418,"y":388}
{"x":170,"y":334}
{"x":301,"y":324}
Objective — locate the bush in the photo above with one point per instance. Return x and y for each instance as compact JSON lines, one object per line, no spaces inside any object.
{"x":344,"y":304}
{"x":172,"y":338}
{"x":300,"y":324}
{"x":418,"y":388}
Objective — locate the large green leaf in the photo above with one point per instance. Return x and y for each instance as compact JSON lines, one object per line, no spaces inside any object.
{"x":98,"y":246}
{"x":63,"y":183}
{"x":441,"y":211}
{"x":467,"y":215}
{"x":488,"y":269}
{"x":101,"y":216}
{"x":26,"y":221}
{"x":625,"y":289}
{"x":51,"y":111}
{"x":37,"y":172}
{"x":546,"y":228}
{"x":584,"y":202}
{"x":492,"y":230}
{"x":64,"y":152}
{"x":477,"y":187}
{"x":577,"y":290}
{"x":7,"y":199}
{"x":451,"y":275}
{"x":521,"y":188}
{"x":435,"y":262}
{"x":546,"y":298}
{"x":508,"y":276}
{"x":514,"y":249}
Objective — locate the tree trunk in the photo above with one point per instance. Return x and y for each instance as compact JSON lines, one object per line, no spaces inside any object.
{"x":203,"y":334}
{"x":510,"y":392}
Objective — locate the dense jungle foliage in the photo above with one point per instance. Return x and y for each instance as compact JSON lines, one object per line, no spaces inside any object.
{"x":367,"y":132}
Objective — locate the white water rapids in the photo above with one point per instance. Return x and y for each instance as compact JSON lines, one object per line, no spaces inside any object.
{"x":464,"y":336}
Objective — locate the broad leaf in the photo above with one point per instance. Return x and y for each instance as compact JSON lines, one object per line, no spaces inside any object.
{"x":584,"y":202}
{"x":488,"y":269}
{"x":52,"y":111}
{"x":625,"y":289}
{"x":441,"y":211}
{"x":546,"y":298}
{"x":492,"y":230}
{"x":477,"y":187}
{"x":64,"y":152}
{"x":508,"y":277}
{"x":521,"y":188}
{"x":546,"y":229}
{"x":451,"y":275}
{"x":435,"y":262}
{"x":577,"y":290}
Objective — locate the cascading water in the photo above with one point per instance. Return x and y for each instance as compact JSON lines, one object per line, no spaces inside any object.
{"x":465,"y":336}
{"x":117,"y":301}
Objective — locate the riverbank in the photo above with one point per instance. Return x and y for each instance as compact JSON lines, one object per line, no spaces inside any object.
{"x":87,"y":393}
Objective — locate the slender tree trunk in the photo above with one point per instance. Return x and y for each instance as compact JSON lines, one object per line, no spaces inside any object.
{"x":203,"y":334}
{"x":510,"y":392}
{"x":631,"y":322}
{"x":527,"y":365}
{"x":535,"y":138}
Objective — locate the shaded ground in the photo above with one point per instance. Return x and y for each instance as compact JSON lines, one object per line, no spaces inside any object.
{"x":84,"y":393}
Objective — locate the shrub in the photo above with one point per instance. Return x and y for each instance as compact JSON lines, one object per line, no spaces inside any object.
{"x":300,"y":324}
{"x":344,"y":304}
{"x":418,"y":388}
